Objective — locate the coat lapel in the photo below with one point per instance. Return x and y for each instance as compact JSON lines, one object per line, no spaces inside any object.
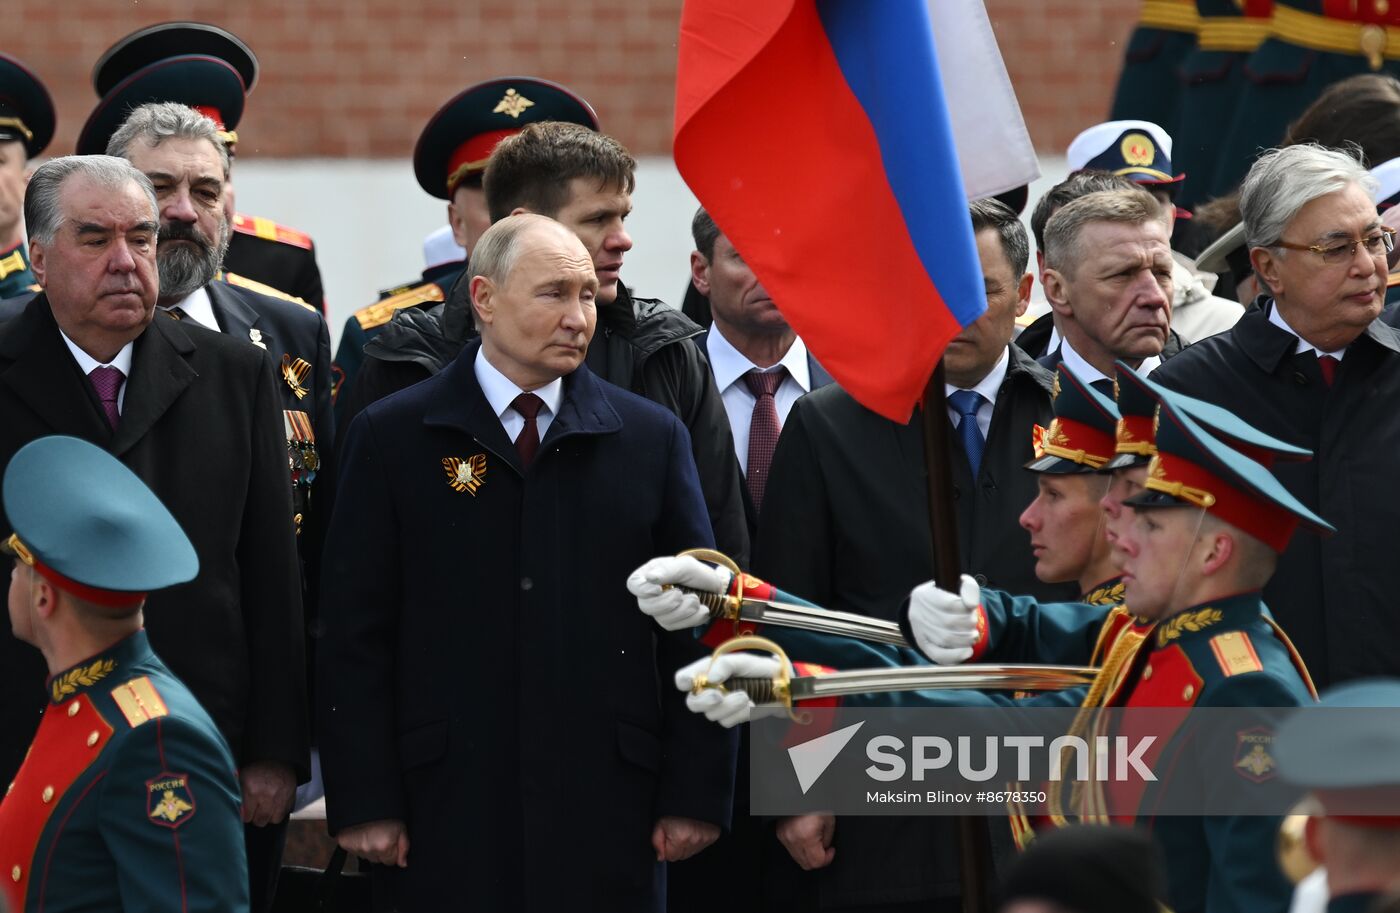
{"x":160,"y":372}
{"x":235,"y":316}
{"x":44,"y":375}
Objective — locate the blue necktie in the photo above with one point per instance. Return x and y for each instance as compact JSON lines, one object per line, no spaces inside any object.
{"x":966,"y":403}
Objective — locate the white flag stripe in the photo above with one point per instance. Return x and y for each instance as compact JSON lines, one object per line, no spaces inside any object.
{"x":994,"y":148}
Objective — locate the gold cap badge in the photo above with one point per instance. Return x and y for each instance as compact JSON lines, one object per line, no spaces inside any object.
{"x":512,"y":104}
{"x":1137,"y":149}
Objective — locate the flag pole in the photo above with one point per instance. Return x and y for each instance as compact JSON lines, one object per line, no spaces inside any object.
{"x":974,"y":874}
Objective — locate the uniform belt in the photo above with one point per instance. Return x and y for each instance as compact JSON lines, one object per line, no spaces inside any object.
{"x":1232,"y":33}
{"x":1169,"y":14}
{"x":1309,"y":30}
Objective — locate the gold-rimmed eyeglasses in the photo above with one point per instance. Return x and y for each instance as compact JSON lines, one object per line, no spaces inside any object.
{"x":1380,"y":244}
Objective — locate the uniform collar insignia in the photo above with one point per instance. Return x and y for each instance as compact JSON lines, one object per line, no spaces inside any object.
{"x":1187,"y":622}
{"x":1110,"y":593}
{"x":84,"y":676}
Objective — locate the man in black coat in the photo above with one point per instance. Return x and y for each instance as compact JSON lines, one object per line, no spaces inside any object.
{"x":845,"y":524}
{"x":493,"y":718}
{"x":195,"y":415}
{"x":585,"y":180}
{"x":1317,"y":366}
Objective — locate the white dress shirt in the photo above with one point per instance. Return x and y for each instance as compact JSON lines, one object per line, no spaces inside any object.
{"x":1303,"y":345}
{"x":988,"y":387}
{"x":199,"y":308}
{"x":1088,"y":373}
{"x":501,"y":391}
{"x":730,"y":365}
{"x":86,"y":363}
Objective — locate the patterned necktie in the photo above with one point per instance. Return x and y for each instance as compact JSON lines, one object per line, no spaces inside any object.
{"x":107,"y":382}
{"x":527,"y":443}
{"x":763,"y":428}
{"x":1327,"y":364}
{"x":966,"y":403}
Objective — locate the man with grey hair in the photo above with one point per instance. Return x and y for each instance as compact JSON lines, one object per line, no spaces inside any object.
{"x":182,"y":153}
{"x":481,"y":563}
{"x":1108,"y":278}
{"x":1317,"y":365}
{"x":195,"y":415}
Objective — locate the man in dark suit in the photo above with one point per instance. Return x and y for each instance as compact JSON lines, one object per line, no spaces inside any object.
{"x":1108,"y":277}
{"x":195,"y":415}
{"x":751,"y":349}
{"x":845,"y":524}
{"x":456,"y":558}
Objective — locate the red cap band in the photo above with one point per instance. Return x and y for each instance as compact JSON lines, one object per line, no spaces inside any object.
{"x":472,"y":155}
{"x":1180,"y":478}
{"x":111,"y":598}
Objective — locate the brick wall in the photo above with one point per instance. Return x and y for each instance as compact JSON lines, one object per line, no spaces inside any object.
{"x":358,"y":78}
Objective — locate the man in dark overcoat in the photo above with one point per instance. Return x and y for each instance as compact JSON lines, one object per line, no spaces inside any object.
{"x":492,"y":727}
{"x":1316,"y":365}
{"x":195,"y":415}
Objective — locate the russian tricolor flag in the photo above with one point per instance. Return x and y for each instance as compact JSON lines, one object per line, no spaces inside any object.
{"x":817,"y":135}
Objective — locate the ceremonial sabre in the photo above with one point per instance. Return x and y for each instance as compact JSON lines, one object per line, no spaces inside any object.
{"x":786,"y":687}
{"x":738,"y":607}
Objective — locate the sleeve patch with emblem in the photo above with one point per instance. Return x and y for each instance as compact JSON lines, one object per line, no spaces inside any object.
{"x":169,"y":800}
{"x":1254,"y":757}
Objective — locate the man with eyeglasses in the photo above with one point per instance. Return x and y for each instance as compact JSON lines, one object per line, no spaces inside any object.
{"x":1317,"y":366}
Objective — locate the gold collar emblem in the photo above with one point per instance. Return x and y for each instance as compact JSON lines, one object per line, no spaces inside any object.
{"x":81,"y":677}
{"x":512,"y":104}
{"x":1177,"y":625}
{"x":294,"y":373}
{"x":465,"y":475}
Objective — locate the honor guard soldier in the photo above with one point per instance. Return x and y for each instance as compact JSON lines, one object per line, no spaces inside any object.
{"x":1343,"y":751}
{"x":449,"y":161}
{"x":262,"y":255}
{"x":128,"y":798}
{"x":26,"y":126}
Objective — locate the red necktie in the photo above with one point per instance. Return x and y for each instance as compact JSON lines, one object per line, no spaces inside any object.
{"x":107,"y":382}
{"x":527,"y":443}
{"x":763,"y":428}
{"x":1327,"y":364}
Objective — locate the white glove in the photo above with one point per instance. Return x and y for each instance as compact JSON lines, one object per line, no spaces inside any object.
{"x":673,"y":609}
{"x":730,"y":709}
{"x":944,"y":623}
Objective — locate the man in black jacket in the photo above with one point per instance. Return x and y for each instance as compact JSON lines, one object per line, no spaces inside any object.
{"x":1317,"y":366}
{"x":845,"y":524}
{"x":584,"y":180}
{"x":193,"y":413}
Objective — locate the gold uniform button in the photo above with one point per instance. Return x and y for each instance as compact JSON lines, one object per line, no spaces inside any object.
{"x":47,"y":794}
{"x":1187,"y":692}
{"x":1146,"y":673}
{"x":15,"y":873}
{"x":1382,"y":7}
{"x":73,"y":709}
{"x":92,"y":738}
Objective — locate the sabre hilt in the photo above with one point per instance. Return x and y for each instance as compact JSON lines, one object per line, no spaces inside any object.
{"x":721,"y":605}
{"x":776,"y":690}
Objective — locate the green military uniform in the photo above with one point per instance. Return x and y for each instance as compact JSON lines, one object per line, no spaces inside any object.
{"x":1312,"y":44}
{"x":1212,"y":80}
{"x":128,"y":798}
{"x":1148,"y":86}
{"x":27,"y":118}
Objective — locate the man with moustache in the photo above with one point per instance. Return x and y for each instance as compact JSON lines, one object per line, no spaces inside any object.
{"x":195,"y":415}
{"x":1318,"y":365}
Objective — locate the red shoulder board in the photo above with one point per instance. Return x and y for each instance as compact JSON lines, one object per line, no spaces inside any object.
{"x":269,"y":230}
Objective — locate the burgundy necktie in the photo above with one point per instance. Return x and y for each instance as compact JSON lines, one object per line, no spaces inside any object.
{"x":763,"y":428}
{"x":527,"y":443}
{"x":1327,"y":364}
{"x":107,"y":381}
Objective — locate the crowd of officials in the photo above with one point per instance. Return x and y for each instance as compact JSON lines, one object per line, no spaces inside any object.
{"x":408,"y":577}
